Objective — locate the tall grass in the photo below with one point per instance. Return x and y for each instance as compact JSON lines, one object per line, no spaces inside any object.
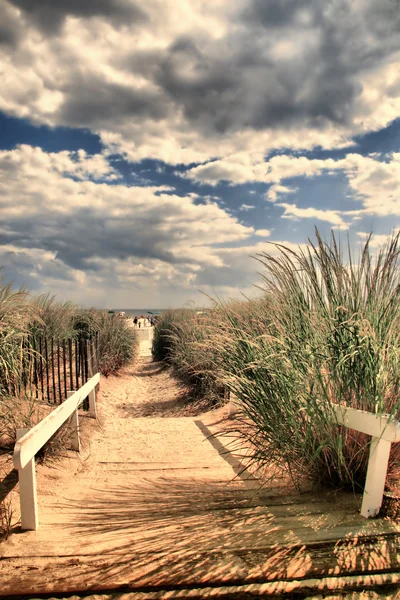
{"x":15,"y":316}
{"x":118,"y":343}
{"x":328,"y":331}
{"x":181,"y":339}
{"x":54,"y":319}
{"x":22,"y":318}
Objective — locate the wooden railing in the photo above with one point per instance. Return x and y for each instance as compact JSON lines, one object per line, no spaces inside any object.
{"x":384,"y":430}
{"x":29,"y":442}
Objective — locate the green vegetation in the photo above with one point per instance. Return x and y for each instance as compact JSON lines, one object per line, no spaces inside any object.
{"x":23,"y":320}
{"x":327,"y":330}
{"x":181,"y":339}
{"x":118,"y":343}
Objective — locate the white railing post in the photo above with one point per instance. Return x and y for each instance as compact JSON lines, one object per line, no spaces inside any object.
{"x":27,"y":491}
{"x":384,"y":430}
{"x":376,"y":477}
{"x":74,"y":424}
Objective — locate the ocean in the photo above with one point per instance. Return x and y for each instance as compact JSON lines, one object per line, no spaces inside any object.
{"x":138,"y":312}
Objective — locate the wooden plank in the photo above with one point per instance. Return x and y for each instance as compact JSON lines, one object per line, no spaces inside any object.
{"x":76,"y":364}
{"x":53,"y":358}
{"x":175,"y":568}
{"x":41,"y":367}
{"x":46,"y":356}
{"x":27,"y":447}
{"x":380,"y":426}
{"x":59,"y":371}
{"x":71,"y":370}
{"x":65,"y":369}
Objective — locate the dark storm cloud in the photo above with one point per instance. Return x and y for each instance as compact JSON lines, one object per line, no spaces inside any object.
{"x":205,"y":88}
{"x":77,"y":241}
{"x":277,"y":13}
{"x":49,"y":15}
{"x":10,"y":27}
{"x":92,"y":100}
{"x":222,"y":84}
{"x":241,"y":82}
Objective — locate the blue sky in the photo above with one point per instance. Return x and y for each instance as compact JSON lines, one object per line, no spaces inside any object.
{"x":148,"y":151}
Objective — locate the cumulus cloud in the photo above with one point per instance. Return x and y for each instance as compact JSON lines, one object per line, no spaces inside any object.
{"x":330,"y":216}
{"x":57,"y":218}
{"x":377,"y":240}
{"x":49,"y":16}
{"x":375,"y":183}
{"x":27,"y":160}
{"x":262,"y":232}
{"x":172,"y":81}
{"x":280,"y":190}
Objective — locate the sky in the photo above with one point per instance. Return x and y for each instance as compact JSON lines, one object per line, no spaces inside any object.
{"x":150,"y":151}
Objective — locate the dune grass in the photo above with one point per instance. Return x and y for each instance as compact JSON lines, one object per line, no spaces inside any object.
{"x":23,"y":319}
{"x":181,"y":339}
{"x":326,"y":330}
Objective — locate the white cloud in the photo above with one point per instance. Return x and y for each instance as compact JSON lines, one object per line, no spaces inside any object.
{"x":330,"y":216}
{"x":276,"y":189}
{"x":375,"y":184}
{"x":377,"y":240}
{"x":246,"y":207}
{"x":173,"y":81}
{"x":60,"y":228}
{"x":262,"y":232}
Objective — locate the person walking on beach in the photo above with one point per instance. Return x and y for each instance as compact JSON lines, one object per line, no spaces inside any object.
{"x":135,"y":321}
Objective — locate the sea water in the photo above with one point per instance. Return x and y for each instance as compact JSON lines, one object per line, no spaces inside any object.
{"x":138,"y":312}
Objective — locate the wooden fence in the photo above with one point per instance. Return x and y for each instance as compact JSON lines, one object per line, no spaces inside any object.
{"x":57,"y":366}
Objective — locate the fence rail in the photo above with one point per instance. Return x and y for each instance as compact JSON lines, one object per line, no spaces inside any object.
{"x":29,"y":442}
{"x":384,"y":430}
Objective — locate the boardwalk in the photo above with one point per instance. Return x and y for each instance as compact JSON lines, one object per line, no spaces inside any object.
{"x":158,"y":509}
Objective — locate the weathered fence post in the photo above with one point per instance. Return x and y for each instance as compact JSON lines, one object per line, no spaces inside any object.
{"x":74,"y":424}
{"x":92,"y":395}
{"x":376,"y":477}
{"x":27,"y":491}
{"x":383,"y":430}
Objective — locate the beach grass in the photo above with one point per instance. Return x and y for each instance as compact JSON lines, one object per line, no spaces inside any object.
{"x":325,"y":331}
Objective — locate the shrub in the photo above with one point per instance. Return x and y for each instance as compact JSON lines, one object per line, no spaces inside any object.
{"x":164,"y":330}
{"x":54,"y":319}
{"x":328,"y":331}
{"x":118,"y":343}
{"x":15,"y":315}
{"x":182,"y":340}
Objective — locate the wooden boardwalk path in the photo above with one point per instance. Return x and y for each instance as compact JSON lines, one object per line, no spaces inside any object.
{"x":142,"y":518}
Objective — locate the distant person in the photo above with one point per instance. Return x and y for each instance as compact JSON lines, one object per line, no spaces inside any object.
{"x":135,"y":320}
